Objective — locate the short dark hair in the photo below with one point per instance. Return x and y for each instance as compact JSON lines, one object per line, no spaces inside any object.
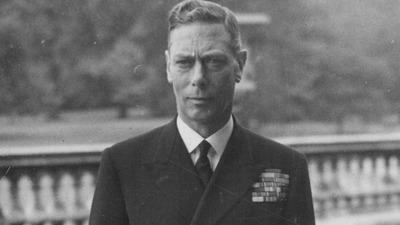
{"x":192,"y":11}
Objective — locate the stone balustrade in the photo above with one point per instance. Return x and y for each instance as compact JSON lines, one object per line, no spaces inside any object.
{"x":353,"y":177}
{"x":48,"y":185}
{"x":350,"y":176}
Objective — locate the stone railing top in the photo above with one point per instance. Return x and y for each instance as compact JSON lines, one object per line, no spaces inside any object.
{"x":51,"y":155}
{"x":52,"y":149}
{"x":338,"y":143}
{"x":306,"y":144}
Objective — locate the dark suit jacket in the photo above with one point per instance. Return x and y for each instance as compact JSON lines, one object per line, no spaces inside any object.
{"x":150,"y":179}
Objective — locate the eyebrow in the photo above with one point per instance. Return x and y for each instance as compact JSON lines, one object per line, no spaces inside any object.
{"x":205,"y":55}
{"x":218,"y":55}
{"x":183,"y":55}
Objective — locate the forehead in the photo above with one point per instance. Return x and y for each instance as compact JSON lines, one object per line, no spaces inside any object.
{"x":199,"y":36}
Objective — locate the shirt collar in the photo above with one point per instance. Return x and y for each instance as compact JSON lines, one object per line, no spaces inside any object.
{"x":192,"y":139}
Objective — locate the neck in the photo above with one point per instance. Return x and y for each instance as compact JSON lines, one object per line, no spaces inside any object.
{"x":206,"y":129}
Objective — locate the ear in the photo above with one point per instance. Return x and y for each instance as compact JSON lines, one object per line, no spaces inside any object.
{"x":241,"y":58}
{"x":168,"y":61}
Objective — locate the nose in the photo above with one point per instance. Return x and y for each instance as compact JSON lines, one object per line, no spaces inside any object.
{"x":198,"y":76}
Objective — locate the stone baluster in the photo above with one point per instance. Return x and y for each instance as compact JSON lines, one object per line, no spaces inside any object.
{"x":380,"y":173}
{"x":394,"y":172}
{"x":315,"y":180}
{"x":394,"y":176}
{"x":26,"y":197}
{"x":47,"y":199}
{"x":315,"y":176}
{"x":328,"y":178}
{"x":368,"y":182}
{"x":86,"y":190}
{"x":67,"y":193}
{"x":6,"y":198}
{"x":328,"y":185}
{"x":354,"y":176}
{"x":69,"y":222}
{"x":342,"y":176}
{"x":354,"y":183}
{"x":85,"y":222}
{"x":343,"y":183}
{"x":380,"y":179}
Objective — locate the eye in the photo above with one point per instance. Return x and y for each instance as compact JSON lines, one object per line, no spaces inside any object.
{"x":183,"y":62}
{"x":210,"y":61}
{"x":214,"y":62}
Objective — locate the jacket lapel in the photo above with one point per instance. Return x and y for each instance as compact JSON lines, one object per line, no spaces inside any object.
{"x":234,"y":176}
{"x":174,"y":173}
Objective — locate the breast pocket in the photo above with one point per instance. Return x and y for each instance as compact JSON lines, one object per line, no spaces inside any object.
{"x":257,"y":213}
{"x":249,"y":211}
{"x":272,"y":209}
{"x":267,"y":219}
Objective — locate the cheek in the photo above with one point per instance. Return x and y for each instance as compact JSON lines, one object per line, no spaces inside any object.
{"x":224,"y":80}
{"x":178,"y":80}
{"x":179,"y":86}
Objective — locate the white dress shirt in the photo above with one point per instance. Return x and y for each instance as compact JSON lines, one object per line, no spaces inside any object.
{"x":218,"y":141}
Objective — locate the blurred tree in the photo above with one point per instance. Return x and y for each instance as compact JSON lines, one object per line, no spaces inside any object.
{"x":50,"y":34}
{"x":354,"y":71}
{"x":282,"y":54}
{"x":150,"y":31}
{"x":348,"y":86}
{"x":313,"y":63}
{"x":315,"y":60}
{"x":135,"y":64}
{"x":17,"y":94}
{"x":121,"y":68}
{"x":385,"y":46}
{"x":14,"y":82}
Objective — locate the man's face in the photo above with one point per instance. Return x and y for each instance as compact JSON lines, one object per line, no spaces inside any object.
{"x":203,"y":70}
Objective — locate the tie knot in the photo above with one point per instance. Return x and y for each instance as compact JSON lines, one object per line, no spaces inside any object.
{"x":204,"y":146}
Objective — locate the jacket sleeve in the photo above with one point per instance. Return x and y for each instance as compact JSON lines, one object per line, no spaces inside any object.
{"x":108,"y":207}
{"x":300,"y":208}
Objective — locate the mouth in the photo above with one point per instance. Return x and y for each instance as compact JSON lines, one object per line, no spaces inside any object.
{"x":199,"y":100}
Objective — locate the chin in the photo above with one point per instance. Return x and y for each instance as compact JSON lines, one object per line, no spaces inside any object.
{"x":201,"y":117}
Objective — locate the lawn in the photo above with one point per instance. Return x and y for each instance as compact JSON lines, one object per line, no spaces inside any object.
{"x":102,"y":127}
{"x":74,"y":128}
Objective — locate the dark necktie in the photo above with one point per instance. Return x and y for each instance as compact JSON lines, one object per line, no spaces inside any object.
{"x":203,"y":164}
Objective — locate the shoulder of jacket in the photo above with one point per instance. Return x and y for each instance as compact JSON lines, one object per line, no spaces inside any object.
{"x":137,"y":142}
{"x":265,"y":145}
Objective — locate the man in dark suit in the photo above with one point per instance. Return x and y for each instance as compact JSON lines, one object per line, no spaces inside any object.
{"x":202,"y":167}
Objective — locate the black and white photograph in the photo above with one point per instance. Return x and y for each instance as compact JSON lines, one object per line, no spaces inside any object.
{"x":195,"y":112}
